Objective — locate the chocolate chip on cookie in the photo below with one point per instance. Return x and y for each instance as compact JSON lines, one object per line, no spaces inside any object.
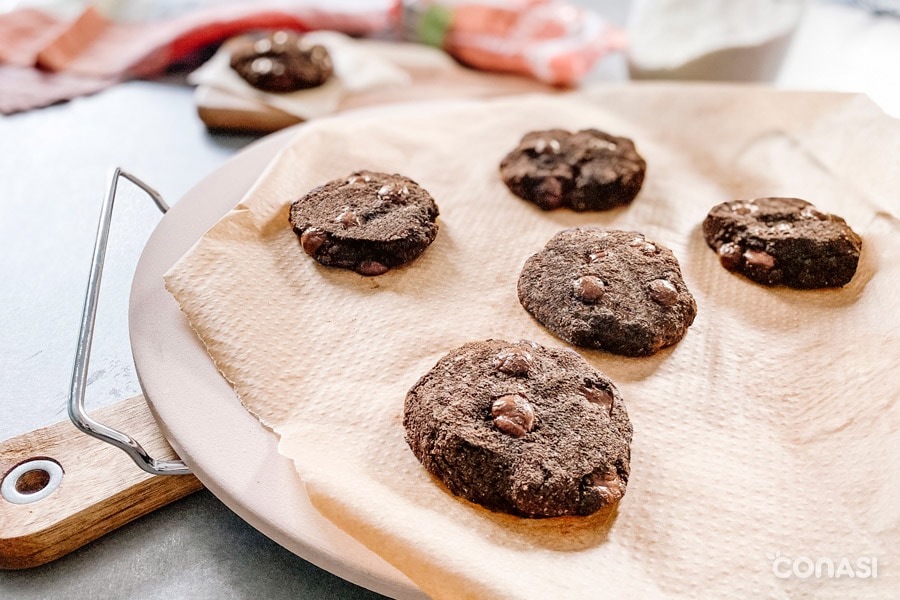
{"x":282,"y":61}
{"x":586,"y":170}
{"x":783,"y":241}
{"x":607,"y":289}
{"x":368,"y":222}
{"x":522,"y":429}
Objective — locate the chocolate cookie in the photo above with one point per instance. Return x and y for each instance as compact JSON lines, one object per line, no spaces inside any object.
{"x":587,"y":170}
{"x":521,"y":429}
{"x":783,"y":241}
{"x":368,"y":222}
{"x":282,"y":62}
{"x":610,"y":290}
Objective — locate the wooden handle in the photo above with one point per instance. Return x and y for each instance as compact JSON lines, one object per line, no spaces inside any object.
{"x":101,"y":488}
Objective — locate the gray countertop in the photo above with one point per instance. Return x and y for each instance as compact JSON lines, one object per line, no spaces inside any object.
{"x":54,"y":165}
{"x":53,"y":168}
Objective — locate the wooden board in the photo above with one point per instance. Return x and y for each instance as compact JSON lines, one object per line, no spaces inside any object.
{"x":221,"y":109}
{"x":101,"y":487}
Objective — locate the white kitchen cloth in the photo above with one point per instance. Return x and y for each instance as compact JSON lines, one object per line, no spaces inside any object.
{"x":765,"y":442}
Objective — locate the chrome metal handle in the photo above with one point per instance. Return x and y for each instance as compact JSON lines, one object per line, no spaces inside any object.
{"x":83,"y":352}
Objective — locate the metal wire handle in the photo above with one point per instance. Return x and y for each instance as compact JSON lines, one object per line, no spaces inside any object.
{"x":82,"y":354}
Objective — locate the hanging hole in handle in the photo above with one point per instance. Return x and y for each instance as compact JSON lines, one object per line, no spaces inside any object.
{"x":32,"y":480}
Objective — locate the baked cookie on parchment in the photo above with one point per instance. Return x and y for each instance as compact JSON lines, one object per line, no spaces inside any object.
{"x":522,"y":429}
{"x":783,"y":241}
{"x":282,"y":61}
{"x":586,"y":170}
{"x":367,"y":222}
{"x":608,"y":290}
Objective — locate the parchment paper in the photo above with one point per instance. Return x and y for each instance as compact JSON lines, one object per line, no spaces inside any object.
{"x":771,"y":432}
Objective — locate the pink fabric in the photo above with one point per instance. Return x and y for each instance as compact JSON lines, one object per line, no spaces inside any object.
{"x":24,"y":88}
{"x":23,"y":33}
{"x":31,"y":39}
{"x":73,"y":40}
{"x":44,"y":60}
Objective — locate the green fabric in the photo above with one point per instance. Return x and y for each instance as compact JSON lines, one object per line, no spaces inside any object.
{"x":434,"y":25}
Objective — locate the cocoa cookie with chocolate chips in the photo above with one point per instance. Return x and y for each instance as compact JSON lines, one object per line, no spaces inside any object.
{"x":586,"y":170}
{"x":368,"y":222}
{"x":281,"y":62}
{"x":783,"y":241}
{"x":522,"y":429}
{"x":609,"y":290}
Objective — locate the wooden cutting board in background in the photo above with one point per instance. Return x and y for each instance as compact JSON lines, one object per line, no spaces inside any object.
{"x":224,"y":110}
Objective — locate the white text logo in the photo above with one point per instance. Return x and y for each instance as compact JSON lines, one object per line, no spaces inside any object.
{"x":805,"y":567}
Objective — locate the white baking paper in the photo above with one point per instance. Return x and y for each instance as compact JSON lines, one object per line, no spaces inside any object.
{"x":766,"y":443}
